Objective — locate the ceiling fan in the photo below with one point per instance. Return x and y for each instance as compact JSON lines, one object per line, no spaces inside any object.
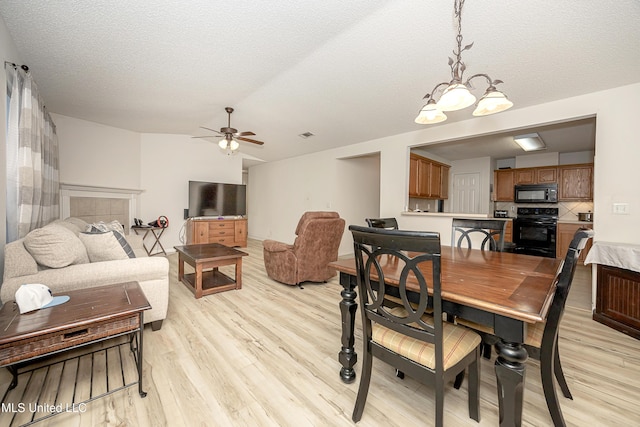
{"x":230,"y":136}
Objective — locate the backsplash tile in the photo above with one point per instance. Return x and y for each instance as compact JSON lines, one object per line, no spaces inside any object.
{"x":567,"y":211}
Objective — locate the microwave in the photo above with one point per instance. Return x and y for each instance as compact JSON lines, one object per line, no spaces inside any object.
{"x":536,"y":193}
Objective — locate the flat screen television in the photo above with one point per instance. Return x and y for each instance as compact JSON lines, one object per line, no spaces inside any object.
{"x":215,"y":199}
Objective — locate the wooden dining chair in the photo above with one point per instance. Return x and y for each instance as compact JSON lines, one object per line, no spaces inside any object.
{"x":424,"y":346}
{"x":491,"y":231}
{"x":388,"y":223}
{"x":542,"y":338}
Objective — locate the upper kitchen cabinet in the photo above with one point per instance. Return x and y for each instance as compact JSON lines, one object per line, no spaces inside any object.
{"x":575,"y":182}
{"x":547,"y":175}
{"x":428,"y":179}
{"x":503,"y":182}
{"x":525,"y":176}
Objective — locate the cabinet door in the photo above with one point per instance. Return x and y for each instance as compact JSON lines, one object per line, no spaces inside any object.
{"x":241,"y":232}
{"x":413,"y":176}
{"x":435,"y":180}
{"x":503,"y":182}
{"x":525,"y":176}
{"x":563,"y":240}
{"x":547,"y":175}
{"x":575,"y":182}
{"x":444,"y":193}
{"x":200,"y":233}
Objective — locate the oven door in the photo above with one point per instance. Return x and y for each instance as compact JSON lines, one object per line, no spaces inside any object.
{"x":535,"y":237}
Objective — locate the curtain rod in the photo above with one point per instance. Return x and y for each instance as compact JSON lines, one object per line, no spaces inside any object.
{"x":24,"y":67}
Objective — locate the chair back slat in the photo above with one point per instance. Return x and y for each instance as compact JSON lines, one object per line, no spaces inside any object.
{"x":407,"y":254}
{"x":388,"y":223}
{"x":491,"y":231}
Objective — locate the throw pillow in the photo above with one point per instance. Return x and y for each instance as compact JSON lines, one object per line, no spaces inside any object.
{"x":102,"y":226}
{"x":55,"y":246}
{"x":105,"y":246}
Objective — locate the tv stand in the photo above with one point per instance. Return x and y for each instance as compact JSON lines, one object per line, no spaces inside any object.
{"x":229,"y":232}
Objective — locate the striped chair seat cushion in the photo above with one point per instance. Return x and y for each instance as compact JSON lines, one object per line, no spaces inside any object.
{"x":458,"y":342}
{"x":534,"y":332}
{"x":398,"y":301}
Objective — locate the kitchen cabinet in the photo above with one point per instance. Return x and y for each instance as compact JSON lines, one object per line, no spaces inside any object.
{"x":428,"y":179}
{"x":503,"y":182}
{"x":546,"y":175}
{"x":525,"y":176}
{"x":508,"y":232}
{"x":617,"y":299}
{"x":575,"y":182}
{"x":564,"y":236}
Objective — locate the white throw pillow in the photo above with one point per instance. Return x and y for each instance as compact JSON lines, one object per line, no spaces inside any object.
{"x":55,"y":246}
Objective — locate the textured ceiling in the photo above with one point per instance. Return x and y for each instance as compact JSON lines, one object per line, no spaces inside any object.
{"x":347,"y":71}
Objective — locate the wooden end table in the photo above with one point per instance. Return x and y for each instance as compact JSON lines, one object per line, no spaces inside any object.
{"x":205,"y":256}
{"x":90,"y":316}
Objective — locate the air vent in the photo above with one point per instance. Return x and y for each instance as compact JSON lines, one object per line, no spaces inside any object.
{"x":306,"y":135}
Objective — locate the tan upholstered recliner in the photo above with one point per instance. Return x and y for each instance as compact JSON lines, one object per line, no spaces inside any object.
{"x":316,"y":245}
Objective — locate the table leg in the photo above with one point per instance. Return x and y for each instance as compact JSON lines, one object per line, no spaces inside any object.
{"x":140,"y":333}
{"x":180,"y":267}
{"x":239,"y":273}
{"x":510,"y":374}
{"x":348,"y":307}
{"x":198,"y":281}
{"x":13,"y":369}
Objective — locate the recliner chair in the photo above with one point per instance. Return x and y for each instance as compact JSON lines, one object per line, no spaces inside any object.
{"x":306,"y":260}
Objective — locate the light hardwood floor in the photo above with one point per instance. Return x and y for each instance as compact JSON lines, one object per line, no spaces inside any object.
{"x":266,"y":355}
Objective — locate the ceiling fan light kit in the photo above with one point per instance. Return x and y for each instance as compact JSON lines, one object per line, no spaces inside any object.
{"x":230,"y":136}
{"x":456,"y":94}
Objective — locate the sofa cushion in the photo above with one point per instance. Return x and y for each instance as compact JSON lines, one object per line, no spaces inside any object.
{"x":55,"y":246}
{"x":106,"y":246}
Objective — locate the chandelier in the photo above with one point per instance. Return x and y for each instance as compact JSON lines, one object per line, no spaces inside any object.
{"x":456,"y":94}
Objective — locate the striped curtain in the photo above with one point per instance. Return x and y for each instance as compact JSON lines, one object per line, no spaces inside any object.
{"x":33,"y":190}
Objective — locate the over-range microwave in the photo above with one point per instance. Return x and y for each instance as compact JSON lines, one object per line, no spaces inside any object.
{"x":536,"y":193}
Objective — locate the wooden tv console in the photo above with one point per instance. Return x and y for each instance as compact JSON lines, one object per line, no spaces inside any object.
{"x":229,"y":232}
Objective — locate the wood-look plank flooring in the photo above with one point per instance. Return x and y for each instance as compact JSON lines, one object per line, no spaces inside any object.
{"x":266,"y":355}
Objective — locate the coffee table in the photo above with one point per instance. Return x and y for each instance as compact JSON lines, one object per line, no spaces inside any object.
{"x":90,"y":316}
{"x":205,"y":256}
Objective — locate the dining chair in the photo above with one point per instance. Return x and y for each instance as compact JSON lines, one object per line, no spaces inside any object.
{"x":388,"y":223}
{"x":542,"y":338}
{"x":491,"y":231}
{"x":424,"y":346}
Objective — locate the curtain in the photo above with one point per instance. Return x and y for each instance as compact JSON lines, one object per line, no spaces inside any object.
{"x":33,"y":190}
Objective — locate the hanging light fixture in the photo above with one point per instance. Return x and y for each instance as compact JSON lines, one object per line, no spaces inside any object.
{"x":228,"y":144}
{"x":456,"y":94}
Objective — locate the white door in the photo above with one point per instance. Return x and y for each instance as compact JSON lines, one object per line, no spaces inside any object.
{"x":466,"y":193}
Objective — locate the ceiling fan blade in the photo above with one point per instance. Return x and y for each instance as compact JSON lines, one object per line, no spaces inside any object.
{"x":212,"y":130}
{"x":253,"y":141}
{"x":248,"y":133}
{"x":206,"y":136}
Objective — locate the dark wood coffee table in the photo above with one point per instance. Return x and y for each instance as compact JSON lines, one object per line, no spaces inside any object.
{"x":205,"y":256}
{"x":91,"y":315}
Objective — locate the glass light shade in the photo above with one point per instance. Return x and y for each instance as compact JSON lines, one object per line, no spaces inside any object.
{"x":492,"y":102}
{"x":223,"y":143}
{"x":456,"y":97}
{"x":430,"y":114}
{"x":233,"y":144}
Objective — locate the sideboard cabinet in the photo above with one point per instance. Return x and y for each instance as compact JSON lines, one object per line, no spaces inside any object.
{"x":229,"y":232}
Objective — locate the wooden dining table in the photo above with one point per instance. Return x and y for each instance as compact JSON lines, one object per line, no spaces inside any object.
{"x":506,"y":291}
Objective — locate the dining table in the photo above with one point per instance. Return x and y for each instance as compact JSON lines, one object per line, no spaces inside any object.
{"x":506,"y":291}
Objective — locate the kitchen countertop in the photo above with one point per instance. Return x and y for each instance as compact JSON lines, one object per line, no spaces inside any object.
{"x":575,"y":221}
{"x":451,"y":215}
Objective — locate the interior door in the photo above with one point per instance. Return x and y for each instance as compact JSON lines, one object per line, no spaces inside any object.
{"x":466,"y":192}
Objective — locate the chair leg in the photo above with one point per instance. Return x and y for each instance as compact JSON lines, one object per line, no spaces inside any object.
{"x":474,"y":388}
{"x":557,"y":370}
{"x":363,"y":389}
{"x":548,"y":385}
{"x":439,"y":401}
{"x":399,"y":374}
{"x":486,"y":350}
{"x":459,"y":380}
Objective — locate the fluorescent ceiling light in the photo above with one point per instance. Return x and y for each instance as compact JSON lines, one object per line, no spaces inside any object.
{"x":530,"y":142}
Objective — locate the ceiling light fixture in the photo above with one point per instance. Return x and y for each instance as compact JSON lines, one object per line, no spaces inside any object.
{"x":228,"y":144}
{"x":456,"y":95}
{"x":530,"y":142}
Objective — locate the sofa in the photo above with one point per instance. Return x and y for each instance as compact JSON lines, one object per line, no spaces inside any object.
{"x":318,"y":236}
{"x":72,"y":254}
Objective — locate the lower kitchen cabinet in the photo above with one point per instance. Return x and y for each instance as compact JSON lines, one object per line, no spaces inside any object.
{"x":565,"y":235}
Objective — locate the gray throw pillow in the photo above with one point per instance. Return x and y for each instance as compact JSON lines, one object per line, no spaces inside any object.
{"x":106,"y":246}
{"x":55,"y":246}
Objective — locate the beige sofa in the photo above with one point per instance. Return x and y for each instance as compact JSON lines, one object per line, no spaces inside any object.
{"x":61,"y":256}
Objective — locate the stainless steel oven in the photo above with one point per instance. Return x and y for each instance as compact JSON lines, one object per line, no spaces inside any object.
{"x":534,"y":231}
{"x":536,"y":193}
